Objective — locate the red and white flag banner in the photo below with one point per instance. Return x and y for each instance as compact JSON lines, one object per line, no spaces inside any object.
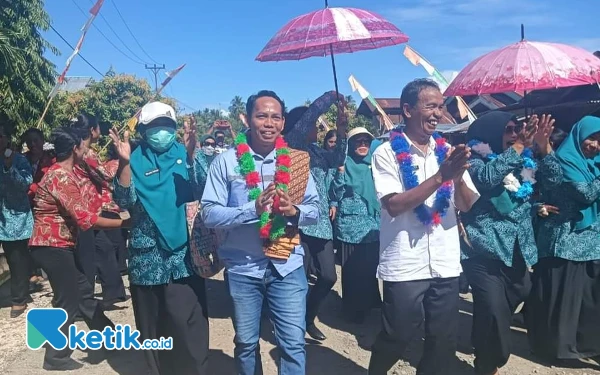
{"x":93,"y":13}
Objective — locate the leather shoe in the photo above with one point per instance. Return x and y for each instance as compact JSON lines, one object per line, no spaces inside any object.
{"x":315,"y":333}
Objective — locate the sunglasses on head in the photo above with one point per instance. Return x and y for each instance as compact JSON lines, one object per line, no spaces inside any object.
{"x":513,"y":128}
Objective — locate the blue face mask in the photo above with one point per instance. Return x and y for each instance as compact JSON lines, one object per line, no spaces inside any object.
{"x":160,"y":138}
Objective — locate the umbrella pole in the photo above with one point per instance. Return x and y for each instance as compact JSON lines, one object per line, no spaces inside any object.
{"x":337,"y":91}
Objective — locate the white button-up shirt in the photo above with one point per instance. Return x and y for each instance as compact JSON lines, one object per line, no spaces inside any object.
{"x":408,"y":251}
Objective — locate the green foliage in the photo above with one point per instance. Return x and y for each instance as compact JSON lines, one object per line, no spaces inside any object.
{"x":26,"y":76}
{"x":354,"y":120}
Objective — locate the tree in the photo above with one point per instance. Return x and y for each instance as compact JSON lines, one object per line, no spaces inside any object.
{"x":236,"y":108}
{"x":27,"y":76}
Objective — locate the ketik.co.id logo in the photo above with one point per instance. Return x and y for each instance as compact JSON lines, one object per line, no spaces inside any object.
{"x":43,"y":326}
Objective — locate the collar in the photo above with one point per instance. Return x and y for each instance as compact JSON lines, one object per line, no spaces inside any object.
{"x":418,"y":150}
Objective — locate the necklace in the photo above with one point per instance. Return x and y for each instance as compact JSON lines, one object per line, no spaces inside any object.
{"x":520,"y":189}
{"x":430,"y":217}
{"x":271,"y":224}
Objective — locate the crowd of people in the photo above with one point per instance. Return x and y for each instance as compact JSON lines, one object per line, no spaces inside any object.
{"x":513,"y":211}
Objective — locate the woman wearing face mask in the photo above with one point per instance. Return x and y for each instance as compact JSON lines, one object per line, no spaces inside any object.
{"x":60,"y":212}
{"x":208,"y":144}
{"x":357,"y":226}
{"x":501,"y":244}
{"x":154,"y":183}
{"x":564,"y":309}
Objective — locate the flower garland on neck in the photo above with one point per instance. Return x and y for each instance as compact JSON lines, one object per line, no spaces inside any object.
{"x":272,"y":224}
{"x":430,"y":217}
{"x":522,"y":190}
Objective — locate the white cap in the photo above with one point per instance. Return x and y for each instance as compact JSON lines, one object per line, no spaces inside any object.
{"x":359,"y":130}
{"x":155,"y":110}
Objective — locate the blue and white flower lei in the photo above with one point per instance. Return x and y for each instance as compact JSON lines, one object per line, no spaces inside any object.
{"x":520,"y":189}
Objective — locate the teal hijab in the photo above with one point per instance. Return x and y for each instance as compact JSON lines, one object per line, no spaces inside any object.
{"x":577,"y":168}
{"x":359,"y":178}
{"x":163,"y":187}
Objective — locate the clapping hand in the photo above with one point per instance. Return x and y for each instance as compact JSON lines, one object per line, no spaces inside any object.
{"x":265,"y":200}
{"x":456,"y":163}
{"x":527,"y":136}
{"x":545,"y":129}
{"x":285,"y":204}
{"x":122,"y":147}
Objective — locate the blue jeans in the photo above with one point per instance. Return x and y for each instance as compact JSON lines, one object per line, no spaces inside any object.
{"x":286,"y":299}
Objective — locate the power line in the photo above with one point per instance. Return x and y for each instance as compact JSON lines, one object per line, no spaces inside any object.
{"x":105,"y":37}
{"x":155,"y":69}
{"x":73,"y":48}
{"x":131,"y":32}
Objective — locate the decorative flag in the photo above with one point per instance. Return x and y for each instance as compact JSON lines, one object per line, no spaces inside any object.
{"x":131,"y":124}
{"x":365,"y":95}
{"x":438,"y":77}
{"x":93,"y":13}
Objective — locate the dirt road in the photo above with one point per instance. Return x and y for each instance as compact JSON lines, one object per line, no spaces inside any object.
{"x":344,"y":352}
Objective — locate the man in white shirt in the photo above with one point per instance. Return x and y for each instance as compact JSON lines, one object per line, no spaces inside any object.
{"x":420,"y":180}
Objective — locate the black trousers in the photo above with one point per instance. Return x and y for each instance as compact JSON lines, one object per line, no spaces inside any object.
{"x":113,"y":289}
{"x":72,"y":292}
{"x":85,"y":255}
{"x":563,"y":309}
{"x":19,"y":265}
{"x":360,"y":288}
{"x":176,"y":310}
{"x":405,"y":306}
{"x":119,"y":239}
{"x":497,"y":291}
{"x":323,"y":257}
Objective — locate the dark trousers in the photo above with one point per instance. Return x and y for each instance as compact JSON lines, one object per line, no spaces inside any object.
{"x":323,"y":257}
{"x":113,"y":289}
{"x":176,"y":310}
{"x":119,"y":239}
{"x":497,"y":291}
{"x":85,"y":255}
{"x":360,"y":287}
{"x":19,"y":265}
{"x":405,"y":305}
{"x":72,"y":292}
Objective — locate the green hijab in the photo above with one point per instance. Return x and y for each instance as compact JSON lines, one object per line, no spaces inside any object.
{"x":163,"y":188}
{"x":577,"y":168}
{"x":359,"y":178}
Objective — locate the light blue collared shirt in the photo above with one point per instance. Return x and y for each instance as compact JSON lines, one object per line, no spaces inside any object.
{"x":225,"y":206}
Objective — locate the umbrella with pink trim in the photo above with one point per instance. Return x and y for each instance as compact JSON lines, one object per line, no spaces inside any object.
{"x":331,"y":31}
{"x":526,"y":66}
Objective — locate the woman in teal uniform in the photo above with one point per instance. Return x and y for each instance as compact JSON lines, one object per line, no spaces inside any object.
{"x":501,"y":245}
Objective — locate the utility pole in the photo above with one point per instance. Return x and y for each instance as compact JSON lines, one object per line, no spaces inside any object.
{"x":155,"y":69}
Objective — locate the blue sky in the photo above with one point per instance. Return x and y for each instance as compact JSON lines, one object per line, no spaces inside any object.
{"x":219,"y":41}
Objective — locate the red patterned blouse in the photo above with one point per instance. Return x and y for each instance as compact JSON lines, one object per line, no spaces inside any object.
{"x":97,"y":188}
{"x":59,"y":210}
{"x":39,"y":170}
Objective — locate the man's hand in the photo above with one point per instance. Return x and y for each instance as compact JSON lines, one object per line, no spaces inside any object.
{"x":265,"y":200}
{"x":456,"y":163}
{"x":285,"y":204}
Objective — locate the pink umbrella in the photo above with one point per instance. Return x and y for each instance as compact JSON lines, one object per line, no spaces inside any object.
{"x":330,"y":31}
{"x":526,"y":66}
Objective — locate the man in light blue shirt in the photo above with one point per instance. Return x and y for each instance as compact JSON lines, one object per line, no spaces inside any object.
{"x":251,"y":275}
